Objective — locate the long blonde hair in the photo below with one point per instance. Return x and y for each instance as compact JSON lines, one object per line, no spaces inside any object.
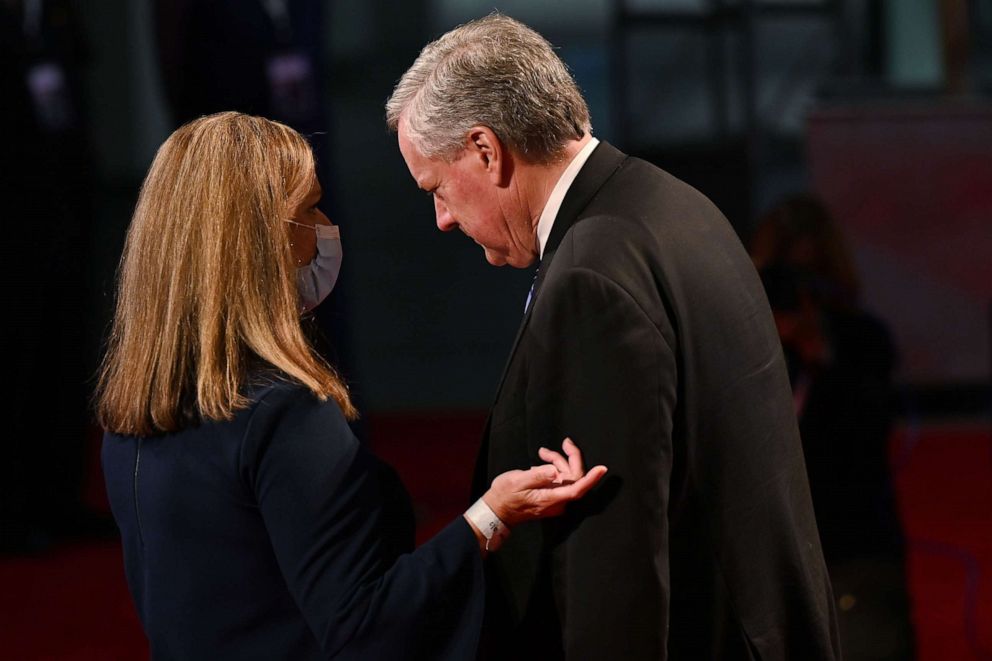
{"x":206,"y":289}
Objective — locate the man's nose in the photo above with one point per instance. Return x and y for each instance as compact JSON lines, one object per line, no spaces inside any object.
{"x":445,"y":222}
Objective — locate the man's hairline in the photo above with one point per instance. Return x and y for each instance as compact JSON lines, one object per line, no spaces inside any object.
{"x":451,"y":157}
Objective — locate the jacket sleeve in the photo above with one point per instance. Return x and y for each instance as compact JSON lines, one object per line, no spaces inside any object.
{"x":320,"y":495}
{"x":602,"y":371}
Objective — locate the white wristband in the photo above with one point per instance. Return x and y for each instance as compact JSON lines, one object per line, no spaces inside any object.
{"x":483,"y":518}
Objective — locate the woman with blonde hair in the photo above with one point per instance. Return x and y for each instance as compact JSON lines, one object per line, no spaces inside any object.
{"x":254,"y":524}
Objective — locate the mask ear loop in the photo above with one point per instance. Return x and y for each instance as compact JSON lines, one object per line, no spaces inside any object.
{"x":299,"y":262}
{"x":309,"y":227}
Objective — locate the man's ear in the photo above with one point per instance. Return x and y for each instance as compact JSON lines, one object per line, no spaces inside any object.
{"x":491,"y":153}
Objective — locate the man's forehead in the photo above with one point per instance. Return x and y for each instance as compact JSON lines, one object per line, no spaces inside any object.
{"x":421,"y":168}
{"x":407,"y":146}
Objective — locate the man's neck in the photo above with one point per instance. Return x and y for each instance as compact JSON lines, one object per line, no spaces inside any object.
{"x":542,"y":178}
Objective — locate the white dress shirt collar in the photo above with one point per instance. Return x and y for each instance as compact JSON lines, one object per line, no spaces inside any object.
{"x":553,"y":205}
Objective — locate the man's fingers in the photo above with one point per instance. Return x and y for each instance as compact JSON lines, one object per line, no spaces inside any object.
{"x":538,"y":477}
{"x":556,"y":459}
{"x":574,"y":457}
{"x":581,"y":486}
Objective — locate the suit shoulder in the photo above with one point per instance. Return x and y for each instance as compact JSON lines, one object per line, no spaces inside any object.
{"x":643,"y":209}
{"x":603,"y":242}
{"x":645,"y":186}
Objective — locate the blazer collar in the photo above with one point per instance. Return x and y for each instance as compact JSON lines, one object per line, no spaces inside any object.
{"x":602,"y":163}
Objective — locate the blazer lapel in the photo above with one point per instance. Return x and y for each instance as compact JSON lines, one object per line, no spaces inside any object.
{"x":603,"y":162}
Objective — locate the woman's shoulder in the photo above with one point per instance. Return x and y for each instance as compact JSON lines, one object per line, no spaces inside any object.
{"x":275,"y":393}
{"x":285,"y":411}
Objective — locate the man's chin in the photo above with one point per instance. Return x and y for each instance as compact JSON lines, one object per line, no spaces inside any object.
{"x":516,"y":261}
{"x":495,"y":259}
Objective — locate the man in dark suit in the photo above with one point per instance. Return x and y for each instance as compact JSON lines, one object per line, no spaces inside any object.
{"x":647,"y":339}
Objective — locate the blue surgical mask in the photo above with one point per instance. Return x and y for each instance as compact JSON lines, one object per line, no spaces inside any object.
{"x":316,"y":279}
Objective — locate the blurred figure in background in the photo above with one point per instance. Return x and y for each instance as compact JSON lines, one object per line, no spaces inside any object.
{"x":840,"y":361}
{"x":260,"y":56}
{"x":45,"y":165}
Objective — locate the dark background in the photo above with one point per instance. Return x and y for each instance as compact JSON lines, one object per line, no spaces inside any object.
{"x":880,"y":107}
{"x":725,"y":94}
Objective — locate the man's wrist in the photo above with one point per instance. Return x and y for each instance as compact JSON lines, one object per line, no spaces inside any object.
{"x":486,"y":522}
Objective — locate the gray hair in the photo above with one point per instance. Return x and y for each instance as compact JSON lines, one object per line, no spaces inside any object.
{"x":493,"y":72}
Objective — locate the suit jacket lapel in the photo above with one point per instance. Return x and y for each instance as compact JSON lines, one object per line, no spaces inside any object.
{"x":602,"y":163}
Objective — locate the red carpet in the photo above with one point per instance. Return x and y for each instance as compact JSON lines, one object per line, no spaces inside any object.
{"x":944,"y":481}
{"x":71,"y":604}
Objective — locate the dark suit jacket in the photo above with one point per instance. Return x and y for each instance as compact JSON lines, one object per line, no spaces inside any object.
{"x":276,"y":535}
{"x":650,"y":342}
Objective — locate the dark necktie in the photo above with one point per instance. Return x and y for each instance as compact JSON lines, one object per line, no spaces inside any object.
{"x":530,"y":294}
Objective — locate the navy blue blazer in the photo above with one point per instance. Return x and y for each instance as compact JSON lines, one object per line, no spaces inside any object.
{"x":277,"y":535}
